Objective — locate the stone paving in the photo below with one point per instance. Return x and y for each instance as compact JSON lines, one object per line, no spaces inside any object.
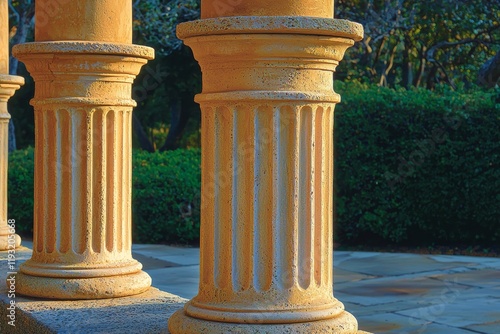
{"x":388,"y":293}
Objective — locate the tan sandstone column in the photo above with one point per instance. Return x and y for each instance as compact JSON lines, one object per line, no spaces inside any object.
{"x":83,"y":64}
{"x":267,"y":167}
{"x":8,"y":85}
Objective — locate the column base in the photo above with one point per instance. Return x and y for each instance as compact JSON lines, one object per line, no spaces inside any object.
{"x":180,"y":323}
{"x":82,"y":288}
{"x":6,"y":245}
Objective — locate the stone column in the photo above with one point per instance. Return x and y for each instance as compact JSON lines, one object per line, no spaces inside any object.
{"x":83,"y":64}
{"x":267,"y":167}
{"x":8,"y":85}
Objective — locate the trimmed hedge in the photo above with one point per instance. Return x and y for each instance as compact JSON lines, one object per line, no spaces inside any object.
{"x":20,"y":190}
{"x":411,"y":166}
{"x":165,"y":195}
{"x":417,"y":166}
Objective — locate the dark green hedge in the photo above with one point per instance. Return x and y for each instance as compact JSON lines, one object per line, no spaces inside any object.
{"x":417,"y":166}
{"x":166,"y":195}
{"x":411,"y":166}
{"x":20,"y":190}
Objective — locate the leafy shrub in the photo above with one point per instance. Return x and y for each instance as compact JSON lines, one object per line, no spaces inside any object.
{"x":20,"y":190}
{"x":411,"y":166}
{"x":417,"y":166}
{"x":166,"y":196}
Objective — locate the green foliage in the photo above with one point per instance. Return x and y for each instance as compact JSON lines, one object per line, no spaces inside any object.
{"x":414,"y":166}
{"x":22,"y":112}
{"x":20,"y":189}
{"x":173,"y":77}
{"x":417,"y":167}
{"x":157,"y":20}
{"x":420,"y":43}
{"x":166,"y":196}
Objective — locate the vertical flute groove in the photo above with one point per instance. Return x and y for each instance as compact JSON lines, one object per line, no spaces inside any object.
{"x":119,"y":118}
{"x":39,"y":201}
{"x":237,"y":261}
{"x":98,"y":199}
{"x":64,"y":188}
{"x":293,"y":150}
{"x":122,"y":130}
{"x":318,"y":196}
{"x":51,"y":174}
{"x":216,"y":200}
{"x":112,"y":183}
{"x":329,"y":222}
{"x":128,"y":202}
{"x":324,"y":195}
{"x":207,"y":229}
{"x":305,"y":222}
{"x":264,"y":208}
{"x":223,"y":199}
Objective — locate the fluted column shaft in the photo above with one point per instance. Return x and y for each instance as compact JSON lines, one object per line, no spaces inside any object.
{"x":8,"y":85}
{"x":267,"y":173}
{"x":83,"y":110}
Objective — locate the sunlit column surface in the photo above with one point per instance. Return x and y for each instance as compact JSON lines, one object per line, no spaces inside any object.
{"x":267,"y":167}
{"x":8,"y":85}
{"x":83,"y":65}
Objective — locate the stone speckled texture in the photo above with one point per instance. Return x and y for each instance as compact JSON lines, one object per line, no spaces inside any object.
{"x":84,"y":47}
{"x":83,"y":67}
{"x":267,"y":168}
{"x":144,"y":313}
{"x":182,"y":324}
{"x":86,"y":20}
{"x":315,"y":8}
{"x":272,"y":25}
{"x":4,"y":37}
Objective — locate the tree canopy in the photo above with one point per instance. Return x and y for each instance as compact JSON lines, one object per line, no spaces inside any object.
{"x":421,"y":43}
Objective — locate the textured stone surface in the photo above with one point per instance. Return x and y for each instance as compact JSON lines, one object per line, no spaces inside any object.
{"x":4,"y":37}
{"x":425,"y":294}
{"x":267,"y":169}
{"x":182,"y":324}
{"x":84,"y":20}
{"x":272,"y":25}
{"x":316,"y":8}
{"x":83,"y":103}
{"x":434,"y":311}
{"x":143,"y":313}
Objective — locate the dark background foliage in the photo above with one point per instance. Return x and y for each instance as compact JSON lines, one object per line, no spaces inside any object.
{"x":417,"y":140}
{"x":412,"y":167}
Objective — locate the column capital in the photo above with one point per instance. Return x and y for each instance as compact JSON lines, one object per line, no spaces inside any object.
{"x":9,"y":84}
{"x":109,"y":69}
